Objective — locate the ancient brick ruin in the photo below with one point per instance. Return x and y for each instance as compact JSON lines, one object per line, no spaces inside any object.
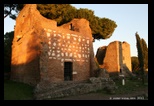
{"x":115,"y":57}
{"x":42,"y":51}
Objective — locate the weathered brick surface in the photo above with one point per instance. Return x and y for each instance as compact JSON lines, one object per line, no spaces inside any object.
{"x":127,"y":56}
{"x":40,"y":48}
{"x":115,"y":56}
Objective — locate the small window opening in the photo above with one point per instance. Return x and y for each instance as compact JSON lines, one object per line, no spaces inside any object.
{"x":18,"y":39}
{"x":71,"y":27}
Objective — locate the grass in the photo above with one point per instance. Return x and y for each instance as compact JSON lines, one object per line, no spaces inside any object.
{"x":129,"y":87}
{"x":17,"y":91}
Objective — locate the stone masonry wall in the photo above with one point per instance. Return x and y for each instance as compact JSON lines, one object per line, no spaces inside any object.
{"x":58,"y":90}
{"x":126,"y":55}
{"x":117,"y":56}
{"x":111,"y":60}
{"x":68,"y":47}
{"x":40,"y":48}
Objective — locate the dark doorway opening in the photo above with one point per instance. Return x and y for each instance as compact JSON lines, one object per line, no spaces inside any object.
{"x":68,"y":67}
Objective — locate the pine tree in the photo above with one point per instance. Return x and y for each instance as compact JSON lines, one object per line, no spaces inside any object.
{"x":102,"y":28}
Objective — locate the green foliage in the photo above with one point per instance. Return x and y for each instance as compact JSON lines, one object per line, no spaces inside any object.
{"x":102,"y":28}
{"x":140,"y":50}
{"x":142,"y":55}
{"x":17,"y":91}
{"x":130,"y":86}
{"x":8,"y":38}
{"x":135,"y":63}
{"x":12,"y":10}
{"x":145,"y":53}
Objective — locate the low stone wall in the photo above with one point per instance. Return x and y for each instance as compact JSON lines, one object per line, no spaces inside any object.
{"x":57,"y":90}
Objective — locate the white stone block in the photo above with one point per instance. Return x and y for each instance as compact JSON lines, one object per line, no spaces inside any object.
{"x":54,"y":35}
{"x":53,"y":54}
{"x":49,"y":42}
{"x":62,"y":54}
{"x":74,"y":35}
{"x":66,"y":54}
{"x":58,"y":55}
{"x":49,"y":30}
{"x":49,"y":53}
{"x":54,"y":44}
{"x":48,"y":34}
{"x":70,"y":55}
{"x":63,"y":36}
{"x":79,"y":55}
{"x":58,"y":51}
{"x":50,"y":57}
{"x":87,"y":41}
{"x":74,"y":38}
{"x":74,"y":72}
{"x":68,"y":37}
{"x":59,"y":35}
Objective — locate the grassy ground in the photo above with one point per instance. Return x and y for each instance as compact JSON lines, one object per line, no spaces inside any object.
{"x":17,"y":91}
{"x":130,"y":86}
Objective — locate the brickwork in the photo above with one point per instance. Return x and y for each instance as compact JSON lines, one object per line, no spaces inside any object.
{"x":127,"y":56}
{"x":117,"y":56}
{"x":40,"y":49}
{"x":68,"y":47}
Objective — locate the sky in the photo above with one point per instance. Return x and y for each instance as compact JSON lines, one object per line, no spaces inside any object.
{"x":130,"y":18}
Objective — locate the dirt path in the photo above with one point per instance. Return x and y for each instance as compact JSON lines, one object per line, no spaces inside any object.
{"x":138,"y":95}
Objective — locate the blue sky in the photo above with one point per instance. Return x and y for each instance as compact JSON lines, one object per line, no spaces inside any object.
{"x":130,"y":18}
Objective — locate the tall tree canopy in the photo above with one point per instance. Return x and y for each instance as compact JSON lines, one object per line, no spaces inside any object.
{"x":145,"y":53}
{"x":142,"y":54}
{"x":135,"y":63}
{"x":12,"y":10}
{"x":8,"y":38}
{"x":102,"y":28}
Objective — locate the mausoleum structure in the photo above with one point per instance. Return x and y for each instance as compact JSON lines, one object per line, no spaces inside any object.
{"x":42,"y":51}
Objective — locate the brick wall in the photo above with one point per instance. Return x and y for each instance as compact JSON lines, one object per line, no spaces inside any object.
{"x":40,"y":49}
{"x":117,"y":56}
